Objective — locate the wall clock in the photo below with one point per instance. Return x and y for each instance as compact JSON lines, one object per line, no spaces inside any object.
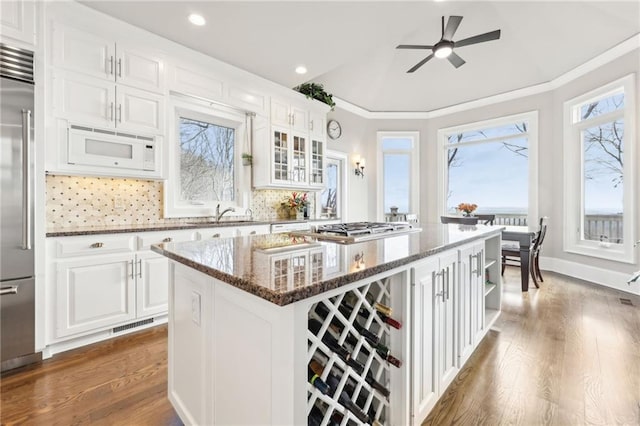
{"x":334,"y":130}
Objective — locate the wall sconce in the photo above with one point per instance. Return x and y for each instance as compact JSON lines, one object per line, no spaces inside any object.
{"x":358,"y":261}
{"x":359,"y":170}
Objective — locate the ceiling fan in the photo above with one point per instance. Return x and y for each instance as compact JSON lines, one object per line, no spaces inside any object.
{"x":444,"y":48}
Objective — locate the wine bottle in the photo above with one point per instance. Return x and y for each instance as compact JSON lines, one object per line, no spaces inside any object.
{"x":315,"y":326}
{"x":380,"y":307}
{"x":365,"y":314}
{"x":343,"y":398}
{"x":324,"y":312}
{"x":382,"y":350}
{"x":316,"y":416}
{"x":317,"y":382}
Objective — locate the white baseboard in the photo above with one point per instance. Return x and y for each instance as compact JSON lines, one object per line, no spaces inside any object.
{"x":604,"y":277}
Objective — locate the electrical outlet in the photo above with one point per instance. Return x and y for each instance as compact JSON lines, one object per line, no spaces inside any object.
{"x":195,"y":307}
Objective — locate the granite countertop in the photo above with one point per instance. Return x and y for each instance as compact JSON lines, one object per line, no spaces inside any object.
{"x":147,"y":227}
{"x":246,"y":262}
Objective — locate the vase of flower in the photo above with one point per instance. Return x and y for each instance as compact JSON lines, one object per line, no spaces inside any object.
{"x":467,"y":208}
{"x":296,"y":202}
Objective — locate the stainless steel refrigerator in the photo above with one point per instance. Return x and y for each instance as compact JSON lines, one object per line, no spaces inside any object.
{"x":17,"y":282}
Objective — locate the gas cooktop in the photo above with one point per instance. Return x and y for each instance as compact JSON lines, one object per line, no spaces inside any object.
{"x":354,"y":232}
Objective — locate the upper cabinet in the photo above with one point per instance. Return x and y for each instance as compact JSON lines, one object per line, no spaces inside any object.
{"x":104,"y":58}
{"x":291,"y":153}
{"x":18,"y":22}
{"x":102,"y":83}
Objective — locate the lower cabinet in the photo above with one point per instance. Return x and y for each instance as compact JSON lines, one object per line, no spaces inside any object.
{"x":470,"y":300}
{"x":93,"y":293}
{"x":434,"y":286}
{"x":152,"y":287}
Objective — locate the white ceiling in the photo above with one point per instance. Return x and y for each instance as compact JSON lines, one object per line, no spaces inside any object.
{"x":350,"y":46}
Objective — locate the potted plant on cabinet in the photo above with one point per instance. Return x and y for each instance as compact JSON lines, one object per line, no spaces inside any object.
{"x":316,"y":91}
{"x":247,"y":159}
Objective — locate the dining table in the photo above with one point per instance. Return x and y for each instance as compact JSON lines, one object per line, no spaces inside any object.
{"x":524,"y":236}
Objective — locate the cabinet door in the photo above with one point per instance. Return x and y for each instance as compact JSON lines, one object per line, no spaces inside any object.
{"x":139,"y":69}
{"x":478,"y":288}
{"x":138,"y":110}
{"x":446,"y":322}
{"x":152,"y":284}
{"x":254,"y":230}
{"x":94,"y":293}
{"x":281,"y":144}
{"x":280,"y":114}
{"x":83,"y":52}
{"x":18,"y":20}
{"x":300,"y":157}
{"x":316,"y":169}
{"x":299,"y":119}
{"x":317,"y":125}
{"x":221,"y":232}
{"x":424,"y":389}
{"x":465,"y":300}
{"x":84,"y":100}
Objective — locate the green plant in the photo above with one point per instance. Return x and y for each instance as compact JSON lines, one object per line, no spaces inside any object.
{"x":247,"y":159}
{"x":316,"y":91}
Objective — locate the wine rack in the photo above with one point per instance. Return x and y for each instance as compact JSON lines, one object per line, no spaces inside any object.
{"x":363,"y":376}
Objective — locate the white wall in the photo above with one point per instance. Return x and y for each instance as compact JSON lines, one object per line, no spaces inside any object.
{"x":550,"y":158}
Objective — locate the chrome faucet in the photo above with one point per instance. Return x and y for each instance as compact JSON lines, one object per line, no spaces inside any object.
{"x":219,"y":215}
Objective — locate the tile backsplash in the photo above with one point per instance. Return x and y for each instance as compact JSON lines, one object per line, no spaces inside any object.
{"x":74,"y":201}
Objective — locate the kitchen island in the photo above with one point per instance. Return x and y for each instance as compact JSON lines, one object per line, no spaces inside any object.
{"x":386,"y":323}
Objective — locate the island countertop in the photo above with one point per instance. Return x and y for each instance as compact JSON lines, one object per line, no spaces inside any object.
{"x":248,"y":262}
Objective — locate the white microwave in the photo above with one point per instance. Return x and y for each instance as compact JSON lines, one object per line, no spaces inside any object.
{"x":107,"y":148}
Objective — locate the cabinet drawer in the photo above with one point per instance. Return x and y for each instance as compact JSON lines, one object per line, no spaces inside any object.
{"x":95,"y":244}
{"x":222,"y":232}
{"x":146,"y":240}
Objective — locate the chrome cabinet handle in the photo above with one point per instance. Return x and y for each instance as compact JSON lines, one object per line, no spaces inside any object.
{"x":140,"y":268}
{"x":119,"y":67}
{"x":480,"y":267}
{"x":111,"y":112}
{"x":311,"y":125}
{"x":26,"y":179}
{"x":132,"y":267}
{"x":215,"y":236}
{"x":9,"y":290}
{"x":96,"y":245}
{"x":111,"y":64}
{"x":252,"y":233}
{"x":120,"y":113}
{"x":167,"y":240}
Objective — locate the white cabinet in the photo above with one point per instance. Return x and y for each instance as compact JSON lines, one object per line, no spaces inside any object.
{"x":106,"y":84}
{"x":220,"y":232}
{"x":470,"y":299}
{"x":254,"y":230}
{"x":102,"y":281}
{"x":102,"y":57}
{"x":18,"y":22}
{"x":87,"y":100}
{"x":292,"y":155}
{"x":94,"y":293}
{"x":434,"y":283}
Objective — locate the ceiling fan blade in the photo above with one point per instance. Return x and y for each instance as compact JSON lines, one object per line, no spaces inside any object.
{"x":413,"y":46}
{"x":493,"y":35}
{"x":455,"y":60}
{"x":452,"y":26}
{"x":421,"y":63}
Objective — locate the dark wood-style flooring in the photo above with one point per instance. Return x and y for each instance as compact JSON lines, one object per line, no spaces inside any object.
{"x":566,"y":354}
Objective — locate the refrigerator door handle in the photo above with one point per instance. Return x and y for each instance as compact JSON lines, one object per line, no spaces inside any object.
{"x":9,"y":290}
{"x":26,"y":179}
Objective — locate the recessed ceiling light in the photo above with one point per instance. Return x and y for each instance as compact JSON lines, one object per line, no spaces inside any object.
{"x":196,"y":19}
{"x":301,"y":69}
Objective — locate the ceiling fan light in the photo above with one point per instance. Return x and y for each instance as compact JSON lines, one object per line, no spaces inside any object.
{"x":442,"y":52}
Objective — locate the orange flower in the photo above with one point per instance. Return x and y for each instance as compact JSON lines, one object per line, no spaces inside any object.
{"x":467,"y":207}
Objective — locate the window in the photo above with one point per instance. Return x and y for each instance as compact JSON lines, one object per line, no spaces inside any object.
{"x":204,"y":161}
{"x":333,"y":195}
{"x":599,"y":206}
{"x":399,"y":182}
{"x":491,"y":164}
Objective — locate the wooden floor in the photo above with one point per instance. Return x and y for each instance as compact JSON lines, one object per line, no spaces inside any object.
{"x":568,"y":353}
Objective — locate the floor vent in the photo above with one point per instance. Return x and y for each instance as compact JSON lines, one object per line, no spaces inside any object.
{"x":132,"y":325}
{"x":626,"y":301}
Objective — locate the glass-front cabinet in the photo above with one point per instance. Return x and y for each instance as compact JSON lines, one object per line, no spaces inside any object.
{"x":280,"y":156}
{"x":316,"y":173}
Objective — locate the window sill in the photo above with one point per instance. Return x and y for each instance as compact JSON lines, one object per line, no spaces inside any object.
{"x":614,"y":253}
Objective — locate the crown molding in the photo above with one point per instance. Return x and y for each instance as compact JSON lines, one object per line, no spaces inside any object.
{"x":615,"y":52}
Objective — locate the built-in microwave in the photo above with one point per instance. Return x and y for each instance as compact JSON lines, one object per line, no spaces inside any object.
{"x":107,"y":148}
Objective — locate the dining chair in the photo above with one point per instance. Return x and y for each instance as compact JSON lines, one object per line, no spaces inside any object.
{"x":486,"y":219}
{"x":511,"y":252}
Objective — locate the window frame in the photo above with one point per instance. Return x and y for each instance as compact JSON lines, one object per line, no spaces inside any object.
{"x":414,"y":182}
{"x":218,"y":115}
{"x":341,"y":159}
{"x":532,"y":147}
{"x":573,"y":206}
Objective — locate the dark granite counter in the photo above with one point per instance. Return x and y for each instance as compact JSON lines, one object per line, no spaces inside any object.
{"x":248,"y":262}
